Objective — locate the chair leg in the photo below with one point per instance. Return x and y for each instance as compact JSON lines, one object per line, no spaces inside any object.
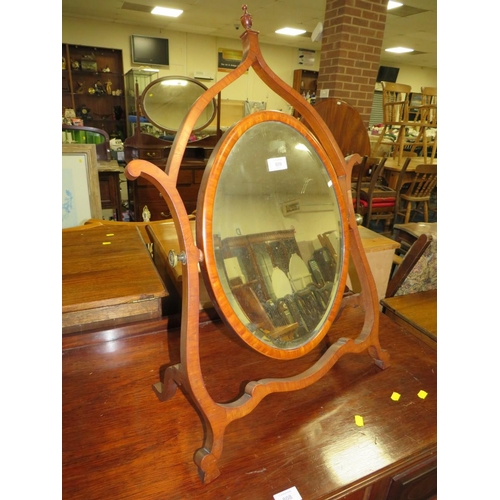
{"x":408,"y":212}
{"x":426,"y":212}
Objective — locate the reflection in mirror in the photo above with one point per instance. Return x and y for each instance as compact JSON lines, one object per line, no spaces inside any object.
{"x":166,"y":102}
{"x":277,"y":235}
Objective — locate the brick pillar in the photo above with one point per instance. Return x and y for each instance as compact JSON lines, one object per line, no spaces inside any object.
{"x":353,"y":32}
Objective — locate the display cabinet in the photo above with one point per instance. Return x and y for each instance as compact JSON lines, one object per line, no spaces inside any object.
{"x":305,"y":82}
{"x":136,"y":80}
{"x":93,"y":87}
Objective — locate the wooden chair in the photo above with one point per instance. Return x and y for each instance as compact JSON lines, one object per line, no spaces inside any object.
{"x":375,"y":201}
{"x":425,"y":119}
{"x":257,"y":314}
{"x":395,"y":107}
{"x":417,"y":272}
{"x":418,"y":191}
{"x":407,"y":263}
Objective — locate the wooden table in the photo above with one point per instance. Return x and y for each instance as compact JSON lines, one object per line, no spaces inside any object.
{"x":119,"y":441}
{"x":392,"y":170}
{"x":108,"y":278}
{"x":417,"y":312}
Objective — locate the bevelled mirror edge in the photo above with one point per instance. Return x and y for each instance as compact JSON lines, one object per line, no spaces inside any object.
{"x":205,"y":240}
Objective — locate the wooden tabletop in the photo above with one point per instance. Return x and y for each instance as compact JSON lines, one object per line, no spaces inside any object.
{"x":415,"y":229}
{"x":375,"y":242}
{"x":415,"y":310}
{"x":107,"y":275}
{"x":119,"y":441}
{"x":394,"y":164}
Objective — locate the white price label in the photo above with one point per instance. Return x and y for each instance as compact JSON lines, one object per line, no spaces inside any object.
{"x":289,"y":494}
{"x":274,"y":164}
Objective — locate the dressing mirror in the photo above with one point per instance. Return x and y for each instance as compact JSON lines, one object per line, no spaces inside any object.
{"x":166,"y":101}
{"x":275,"y":236}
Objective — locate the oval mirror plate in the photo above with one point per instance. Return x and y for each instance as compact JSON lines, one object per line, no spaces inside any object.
{"x":271,"y":225}
{"x":166,"y":102}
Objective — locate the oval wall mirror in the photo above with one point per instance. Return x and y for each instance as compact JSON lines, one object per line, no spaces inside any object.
{"x":166,"y":101}
{"x":272,"y":229}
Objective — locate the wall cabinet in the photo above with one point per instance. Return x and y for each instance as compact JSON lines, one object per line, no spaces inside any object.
{"x":93,"y":86}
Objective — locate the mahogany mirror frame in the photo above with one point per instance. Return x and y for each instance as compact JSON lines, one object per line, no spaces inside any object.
{"x":188,"y":373}
{"x":205,"y":231}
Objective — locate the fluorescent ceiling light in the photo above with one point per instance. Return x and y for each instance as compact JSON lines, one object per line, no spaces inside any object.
{"x":174,"y":83}
{"x":399,"y":50}
{"x":290,"y":31}
{"x":148,"y":69}
{"x":163,"y":11}
{"x":393,"y":5}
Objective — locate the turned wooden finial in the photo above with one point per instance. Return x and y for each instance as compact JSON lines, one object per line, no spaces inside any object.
{"x":246,"y":18}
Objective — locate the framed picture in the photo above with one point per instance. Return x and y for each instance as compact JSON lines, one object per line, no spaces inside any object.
{"x":81,"y":198}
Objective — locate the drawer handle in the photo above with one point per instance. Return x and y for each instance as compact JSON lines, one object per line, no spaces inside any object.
{"x":150,"y":154}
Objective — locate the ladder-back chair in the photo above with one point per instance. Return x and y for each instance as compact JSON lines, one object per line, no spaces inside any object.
{"x":426,"y":120}
{"x":374,"y":200}
{"x":395,"y":107}
{"x":418,"y":191}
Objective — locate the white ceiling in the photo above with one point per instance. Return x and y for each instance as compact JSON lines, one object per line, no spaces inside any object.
{"x":413,"y":25}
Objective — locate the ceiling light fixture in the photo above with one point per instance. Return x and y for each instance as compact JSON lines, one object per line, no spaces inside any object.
{"x":393,"y":5}
{"x":163,"y":11}
{"x":399,"y":50}
{"x":290,"y":31}
{"x":174,"y":83}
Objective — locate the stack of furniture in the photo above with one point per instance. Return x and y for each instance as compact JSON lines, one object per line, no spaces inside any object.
{"x":408,"y":127}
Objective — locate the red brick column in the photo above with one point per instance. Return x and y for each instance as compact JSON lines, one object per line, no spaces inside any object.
{"x":353,"y":31}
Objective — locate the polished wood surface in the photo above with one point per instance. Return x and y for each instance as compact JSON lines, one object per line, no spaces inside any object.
{"x":346,"y":125}
{"x":108,"y":278}
{"x":416,"y":312}
{"x":392,"y":170}
{"x":120,"y":442}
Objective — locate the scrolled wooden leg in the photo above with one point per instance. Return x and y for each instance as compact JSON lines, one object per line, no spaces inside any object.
{"x":166,"y":389}
{"x":380,"y":356}
{"x":207,"y":465}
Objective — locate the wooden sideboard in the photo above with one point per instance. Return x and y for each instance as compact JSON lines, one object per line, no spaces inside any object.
{"x":141,"y":192}
{"x":119,"y":441}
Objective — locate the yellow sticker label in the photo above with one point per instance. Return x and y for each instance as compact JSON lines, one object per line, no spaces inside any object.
{"x":106,"y":242}
{"x":359,"y":420}
{"x":395,"y":396}
{"x":110,"y":234}
{"x":422,"y":394}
